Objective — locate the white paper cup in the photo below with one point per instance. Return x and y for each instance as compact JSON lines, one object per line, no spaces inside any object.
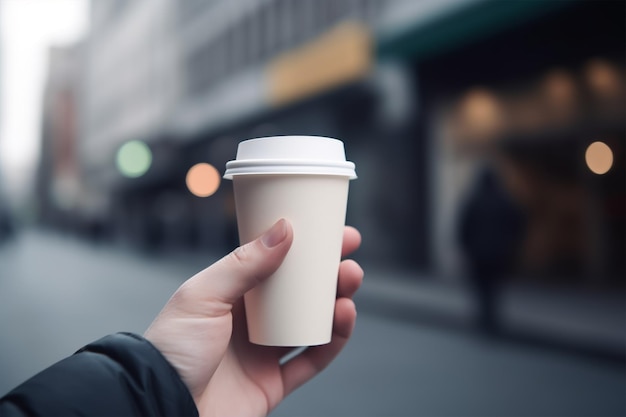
{"x":303,"y":179}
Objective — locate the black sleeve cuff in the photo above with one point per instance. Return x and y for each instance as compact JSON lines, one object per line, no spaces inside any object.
{"x":119,"y":375}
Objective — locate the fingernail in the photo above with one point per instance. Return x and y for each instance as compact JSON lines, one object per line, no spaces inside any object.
{"x":275,"y":235}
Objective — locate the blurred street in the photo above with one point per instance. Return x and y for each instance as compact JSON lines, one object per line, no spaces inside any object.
{"x":58,"y":293}
{"x":489,"y":141}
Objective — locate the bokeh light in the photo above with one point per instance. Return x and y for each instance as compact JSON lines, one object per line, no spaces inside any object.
{"x":203,"y":180}
{"x":603,"y":78}
{"x":561,"y":98}
{"x":560,"y":87}
{"x":481,"y":113}
{"x":599,"y":158}
{"x":133,"y":159}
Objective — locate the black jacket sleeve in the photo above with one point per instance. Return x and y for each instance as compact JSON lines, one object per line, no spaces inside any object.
{"x":118,"y":375}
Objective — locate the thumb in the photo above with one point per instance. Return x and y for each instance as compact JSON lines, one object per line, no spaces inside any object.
{"x":229,"y":278}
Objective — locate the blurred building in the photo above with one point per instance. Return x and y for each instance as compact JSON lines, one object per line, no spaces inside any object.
{"x":423,"y":93}
{"x":58,"y":182}
{"x":191,"y":79}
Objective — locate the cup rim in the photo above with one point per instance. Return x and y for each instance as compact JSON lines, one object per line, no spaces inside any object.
{"x":289,"y":166}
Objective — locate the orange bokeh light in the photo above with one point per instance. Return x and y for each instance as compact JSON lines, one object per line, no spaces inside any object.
{"x":599,"y":158}
{"x":603,"y":78}
{"x":203,"y":180}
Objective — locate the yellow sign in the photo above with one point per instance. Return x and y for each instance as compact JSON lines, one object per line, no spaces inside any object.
{"x":338,"y":56}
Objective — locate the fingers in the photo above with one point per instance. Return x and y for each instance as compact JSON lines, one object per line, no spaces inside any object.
{"x":313,"y":360}
{"x":229,"y":278}
{"x":350,"y":273}
{"x":351,"y":240}
{"x":350,"y":278}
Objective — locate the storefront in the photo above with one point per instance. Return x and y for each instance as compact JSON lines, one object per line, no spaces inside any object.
{"x":527,"y":98}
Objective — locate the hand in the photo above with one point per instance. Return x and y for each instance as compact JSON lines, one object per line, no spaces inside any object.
{"x":202,"y":330}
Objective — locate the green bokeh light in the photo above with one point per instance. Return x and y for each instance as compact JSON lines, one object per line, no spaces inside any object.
{"x":133,"y":159}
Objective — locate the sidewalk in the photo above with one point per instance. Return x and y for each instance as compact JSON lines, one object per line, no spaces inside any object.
{"x":590,"y":323}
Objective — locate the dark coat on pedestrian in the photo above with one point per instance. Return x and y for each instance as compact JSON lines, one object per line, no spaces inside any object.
{"x":490,"y":226}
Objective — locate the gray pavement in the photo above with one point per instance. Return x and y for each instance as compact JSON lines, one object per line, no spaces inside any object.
{"x":59,"y":293}
{"x":577,"y":319}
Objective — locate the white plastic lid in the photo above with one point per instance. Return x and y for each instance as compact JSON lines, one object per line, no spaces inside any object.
{"x":290,"y":155}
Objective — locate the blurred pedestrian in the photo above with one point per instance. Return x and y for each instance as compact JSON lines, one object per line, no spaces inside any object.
{"x":490,"y":231}
{"x":195,"y":358}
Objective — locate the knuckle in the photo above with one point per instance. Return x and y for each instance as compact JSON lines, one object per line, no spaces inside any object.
{"x":182,"y":294}
{"x":180,"y":300}
{"x":246,"y":262}
{"x":240,"y":256}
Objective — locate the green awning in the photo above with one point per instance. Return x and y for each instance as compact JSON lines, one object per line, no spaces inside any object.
{"x":459,"y":23}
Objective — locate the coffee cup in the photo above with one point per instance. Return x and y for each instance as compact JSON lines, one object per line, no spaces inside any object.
{"x":303,"y":179}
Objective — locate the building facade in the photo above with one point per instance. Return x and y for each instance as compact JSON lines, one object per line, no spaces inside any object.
{"x":414,"y":90}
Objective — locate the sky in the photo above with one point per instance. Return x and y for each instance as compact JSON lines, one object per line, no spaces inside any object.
{"x":27,"y":29}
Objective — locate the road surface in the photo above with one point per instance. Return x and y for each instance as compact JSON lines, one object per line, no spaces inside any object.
{"x":58,"y":293}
